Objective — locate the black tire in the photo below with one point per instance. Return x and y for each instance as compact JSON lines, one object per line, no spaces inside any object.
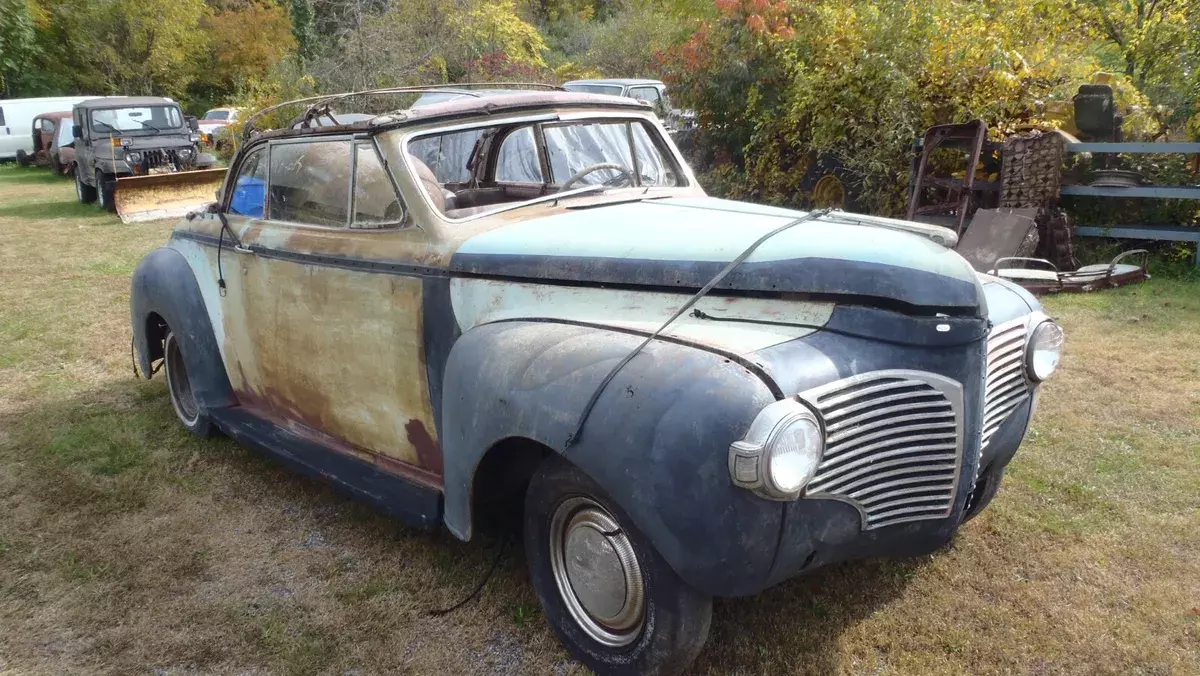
{"x":179,"y":386}
{"x":23,"y":158}
{"x":675,"y":618}
{"x":981,"y":497}
{"x":83,"y":191}
{"x":106,"y":187}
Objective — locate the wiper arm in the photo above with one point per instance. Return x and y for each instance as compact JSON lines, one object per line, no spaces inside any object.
{"x":147,"y":124}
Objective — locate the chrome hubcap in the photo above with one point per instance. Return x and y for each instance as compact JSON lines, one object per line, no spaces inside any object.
{"x":180,"y":385}
{"x":597,"y":572}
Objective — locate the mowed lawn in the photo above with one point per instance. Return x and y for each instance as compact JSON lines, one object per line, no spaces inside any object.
{"x":128,"y":547}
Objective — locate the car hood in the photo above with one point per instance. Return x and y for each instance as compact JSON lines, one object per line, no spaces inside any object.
{"x":682,"y":243}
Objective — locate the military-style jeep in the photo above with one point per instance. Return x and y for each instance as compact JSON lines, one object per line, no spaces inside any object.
{"x":118,"y":137}
{"x":527,"y":295}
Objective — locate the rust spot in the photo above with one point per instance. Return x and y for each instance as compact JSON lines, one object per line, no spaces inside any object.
{"x":429,"y":455}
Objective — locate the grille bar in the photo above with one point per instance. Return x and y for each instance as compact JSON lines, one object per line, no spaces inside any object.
{"x":894,"y":445}
{"x":1005,"y":386}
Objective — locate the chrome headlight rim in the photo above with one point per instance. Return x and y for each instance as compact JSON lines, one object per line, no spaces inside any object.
{"x":133,"y":157}
{"x":1040,"y":323}
{"x":752,"y":458}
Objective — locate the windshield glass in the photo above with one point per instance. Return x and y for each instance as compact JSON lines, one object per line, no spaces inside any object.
{"x":471,"y":171}
{"x":217,"y":115}
{"x":137,"y":118}
{"x":612,"y":90}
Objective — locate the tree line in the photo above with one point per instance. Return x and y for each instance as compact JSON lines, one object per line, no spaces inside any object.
{"x":774,"y":83}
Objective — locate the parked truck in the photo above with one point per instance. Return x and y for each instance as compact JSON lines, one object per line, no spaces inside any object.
{"x":140,"y":158}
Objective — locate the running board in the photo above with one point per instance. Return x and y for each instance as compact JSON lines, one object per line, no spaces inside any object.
{"x":415,"y":505}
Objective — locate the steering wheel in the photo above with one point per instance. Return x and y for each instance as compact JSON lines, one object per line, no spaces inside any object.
{"x":596,"y":167}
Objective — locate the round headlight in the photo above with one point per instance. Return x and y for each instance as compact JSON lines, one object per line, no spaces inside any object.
{"x":1044,"y":350}
{"x":793,"y":453}
{"x":133,"y":157}
{"x":184,"y":153}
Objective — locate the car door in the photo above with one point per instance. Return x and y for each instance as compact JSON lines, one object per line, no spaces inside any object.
{"x":651,"y":95}
{"x":323,"y":332}
{"x":45,"y":135}
{"x":83,"y":147}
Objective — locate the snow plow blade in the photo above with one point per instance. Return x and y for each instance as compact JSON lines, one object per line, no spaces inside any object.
{"x":159,"y":196}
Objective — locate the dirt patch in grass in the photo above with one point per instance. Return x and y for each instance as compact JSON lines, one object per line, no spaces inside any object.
{"x":129,"y":547}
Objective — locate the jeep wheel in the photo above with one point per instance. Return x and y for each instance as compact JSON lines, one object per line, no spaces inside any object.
{"x":85,"y":192}
{"x":609,"y":596}
{"x":183,"y":397}
{"x":105,"y":189}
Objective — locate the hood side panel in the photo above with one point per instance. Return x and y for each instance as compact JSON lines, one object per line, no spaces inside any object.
{"x":818,"y":276}
{"x":670,"y":245}
{"x":482,"y":301}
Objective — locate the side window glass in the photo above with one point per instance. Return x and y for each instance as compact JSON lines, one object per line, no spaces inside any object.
{"x":517,"y":161}
{"x":310,"y":183}
{"x":654,"y":169}
{"x":375,"y":202}
{"x":645,"y":94}
{"x":250,"y":188}
{"x":447,"y":155}
{"x":1,"y":117}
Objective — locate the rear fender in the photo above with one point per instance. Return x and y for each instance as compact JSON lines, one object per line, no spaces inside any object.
{"x":164,"y":284}
{"x":657,"y":440}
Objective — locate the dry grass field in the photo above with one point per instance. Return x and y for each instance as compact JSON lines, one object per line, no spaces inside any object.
{"x":128,"y":547}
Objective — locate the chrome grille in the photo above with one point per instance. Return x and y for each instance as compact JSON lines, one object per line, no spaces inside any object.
{"x":1006,"y":386}
{"x":156,"y":158}
{"x":893,"y":445}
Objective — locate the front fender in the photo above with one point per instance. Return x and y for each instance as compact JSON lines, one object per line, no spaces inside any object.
{"x":163,"y":284}
{"x":657,"y":440}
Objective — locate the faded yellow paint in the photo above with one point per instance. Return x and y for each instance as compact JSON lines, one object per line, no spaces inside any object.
{"x":333,"y":353}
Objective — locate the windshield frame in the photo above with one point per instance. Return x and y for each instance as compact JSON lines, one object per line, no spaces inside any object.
{"x":91,"y":120}
{"x":654,"y":128}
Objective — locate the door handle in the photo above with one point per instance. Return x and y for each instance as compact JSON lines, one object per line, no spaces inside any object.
{"x":242,"y":248}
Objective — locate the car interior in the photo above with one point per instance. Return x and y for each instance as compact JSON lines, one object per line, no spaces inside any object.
{"x":472,"y":171}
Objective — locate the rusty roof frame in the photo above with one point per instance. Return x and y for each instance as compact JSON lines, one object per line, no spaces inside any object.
{"x":319,"y":104}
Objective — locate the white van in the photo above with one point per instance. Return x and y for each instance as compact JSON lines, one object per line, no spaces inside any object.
{"x":16,"y":120}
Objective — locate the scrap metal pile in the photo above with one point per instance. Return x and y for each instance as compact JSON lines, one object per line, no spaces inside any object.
{"x":1026,"y":235}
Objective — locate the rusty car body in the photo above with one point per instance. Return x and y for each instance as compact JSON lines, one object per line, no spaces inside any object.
{"x":525,"y":299}
{"x":45,"y":130}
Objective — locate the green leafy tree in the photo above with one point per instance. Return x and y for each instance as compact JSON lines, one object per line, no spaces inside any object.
{"x":304,"y":29}
{"x":18,"y":45}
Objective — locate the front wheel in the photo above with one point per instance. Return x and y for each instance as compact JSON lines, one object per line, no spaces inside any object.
{"x":85,"y":192}
{"x":609,"y":596}
{"x":183,"y":396}
{"x":105,"y":189}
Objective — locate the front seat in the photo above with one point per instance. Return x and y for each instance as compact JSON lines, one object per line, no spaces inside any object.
{"x":443,"y":199}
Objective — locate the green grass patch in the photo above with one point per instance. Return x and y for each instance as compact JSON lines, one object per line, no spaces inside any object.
{"x":296,"y":646}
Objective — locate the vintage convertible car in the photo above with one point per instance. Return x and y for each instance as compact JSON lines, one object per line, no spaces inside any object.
{"x":524,"y":300}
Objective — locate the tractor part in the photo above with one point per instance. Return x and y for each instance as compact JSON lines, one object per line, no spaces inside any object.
{"x":996,"y":234}
{"x":957,"y":204}
{"x":1046,"y":278}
